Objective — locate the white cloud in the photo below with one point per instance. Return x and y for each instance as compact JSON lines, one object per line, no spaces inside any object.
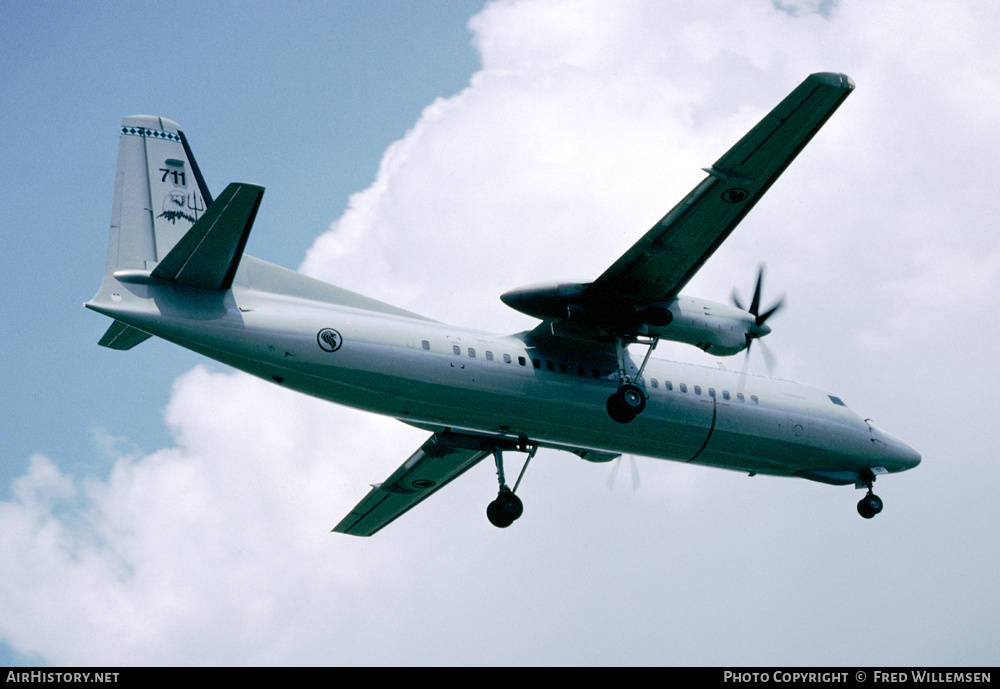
{"x":588,"y":121}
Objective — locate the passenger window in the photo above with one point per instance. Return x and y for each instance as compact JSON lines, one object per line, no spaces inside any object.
{"x":740,"y":397}
{"x":725,"y":394}
{"x":668,"y":385}
{"x":653,"y":381}
{"x":564,"y":367}
{"x":549,"y":365}
{"x":472,"y":353}
{"x":697,"y":389}
{"x":456,"y":349}
{"x":581,"y":371}
{"x":753,"y":398}
{"x":684,"y":387}
{"x":426,"y":345}
{"x":521,"y":360}
{"x":506,"y":358}
{"x":489,"y":355}
{"x":537,"y":363}
{"x":711,"y":392}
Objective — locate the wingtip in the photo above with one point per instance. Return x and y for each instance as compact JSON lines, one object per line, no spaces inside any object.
{"x":834,"y":79}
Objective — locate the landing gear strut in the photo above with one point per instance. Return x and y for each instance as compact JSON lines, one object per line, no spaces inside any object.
{"x":507,"y":508}
{"x":871,"y":504}
{"x":628,"y":401}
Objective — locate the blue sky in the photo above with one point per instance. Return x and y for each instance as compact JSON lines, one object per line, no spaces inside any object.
{"x":156,"y":508}
{"x":266,"y":85}
{"x":272,"y":82}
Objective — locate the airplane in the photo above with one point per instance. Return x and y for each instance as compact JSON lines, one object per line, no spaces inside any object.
{"x":176,"y":269}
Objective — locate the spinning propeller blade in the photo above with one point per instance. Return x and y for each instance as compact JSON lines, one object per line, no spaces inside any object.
{"x":759,"y":329}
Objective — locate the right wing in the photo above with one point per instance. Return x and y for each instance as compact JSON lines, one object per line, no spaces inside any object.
{"x":443,"y":458}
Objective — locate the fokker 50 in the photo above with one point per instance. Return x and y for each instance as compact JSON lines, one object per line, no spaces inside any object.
{"x":176,"y":269}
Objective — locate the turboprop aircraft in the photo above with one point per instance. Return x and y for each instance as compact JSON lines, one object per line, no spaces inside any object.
{"x":176,"y":269}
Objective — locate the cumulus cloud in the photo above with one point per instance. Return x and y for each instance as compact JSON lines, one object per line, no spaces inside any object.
{"x":586,"y":123}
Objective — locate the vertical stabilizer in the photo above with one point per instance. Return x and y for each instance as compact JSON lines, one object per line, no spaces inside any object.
{"x":159,"y":193}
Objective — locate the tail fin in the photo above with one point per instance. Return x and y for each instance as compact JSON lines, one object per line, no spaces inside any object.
{"x":159,"y":193}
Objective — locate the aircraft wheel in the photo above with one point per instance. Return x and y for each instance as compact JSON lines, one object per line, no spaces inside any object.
{"x":617,"y":411}
{"x":870,"y":505}
{"x":503,"y":511}
{"x":626,"y":403}
{"x":632,"y":398}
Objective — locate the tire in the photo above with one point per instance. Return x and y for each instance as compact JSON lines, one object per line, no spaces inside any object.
{"x":632,"y":398}
{"x":870,"y":505}
{"x":497,"y":516}
{"x":617,"y":410}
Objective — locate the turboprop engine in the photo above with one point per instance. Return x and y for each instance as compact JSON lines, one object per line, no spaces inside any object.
{"x":718,"y":329}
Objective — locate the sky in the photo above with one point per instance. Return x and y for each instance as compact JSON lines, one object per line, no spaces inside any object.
{"x":157,"y":508}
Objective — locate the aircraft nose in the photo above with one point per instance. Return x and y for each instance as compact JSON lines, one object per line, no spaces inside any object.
{"x":898,"y":455}
{"x":906,"y":456}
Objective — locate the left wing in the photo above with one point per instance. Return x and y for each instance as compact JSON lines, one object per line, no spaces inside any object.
{"x":668,"y":256}
{"x":443,"y":458}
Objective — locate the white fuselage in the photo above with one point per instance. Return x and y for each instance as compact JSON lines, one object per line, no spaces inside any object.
{"x":436,"y":375}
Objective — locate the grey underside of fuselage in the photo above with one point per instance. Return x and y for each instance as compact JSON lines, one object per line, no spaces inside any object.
{"x":382,"y":366}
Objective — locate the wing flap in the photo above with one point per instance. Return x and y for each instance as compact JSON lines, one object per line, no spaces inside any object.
{"x":658,"y":266}
{"x":208,"y":255}
{"x":440,"y":460}
{"x":121,"y":336}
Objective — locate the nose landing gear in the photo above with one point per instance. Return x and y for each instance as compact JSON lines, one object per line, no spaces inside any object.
{"x":871,"y":504}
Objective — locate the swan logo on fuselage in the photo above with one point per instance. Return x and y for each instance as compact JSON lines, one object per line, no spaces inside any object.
{"x":329,"y":340}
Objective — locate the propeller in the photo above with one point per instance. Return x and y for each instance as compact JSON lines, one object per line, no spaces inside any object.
{"x":614,"y":474}
{"x":760,"y":328}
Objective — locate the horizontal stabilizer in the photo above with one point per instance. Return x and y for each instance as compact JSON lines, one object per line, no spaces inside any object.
{"x":443,"y":458}
{"x":209,"y":254}
{"x":121,"y":336}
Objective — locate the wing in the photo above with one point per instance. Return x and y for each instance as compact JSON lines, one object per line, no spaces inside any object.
{"x":443,"y":458}
{"x":668,"y":256}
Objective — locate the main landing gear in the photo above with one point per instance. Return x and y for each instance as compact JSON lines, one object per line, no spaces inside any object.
{"x":507,"y":508}
{"x":628,"y":401}
{"x":871,"y":504}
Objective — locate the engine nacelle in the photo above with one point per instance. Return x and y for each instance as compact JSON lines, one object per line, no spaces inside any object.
{"x":718,"y":329}
{"x":553,"y":301}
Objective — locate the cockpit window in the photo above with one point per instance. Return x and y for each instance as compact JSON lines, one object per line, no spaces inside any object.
{"x":836,"y":400}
